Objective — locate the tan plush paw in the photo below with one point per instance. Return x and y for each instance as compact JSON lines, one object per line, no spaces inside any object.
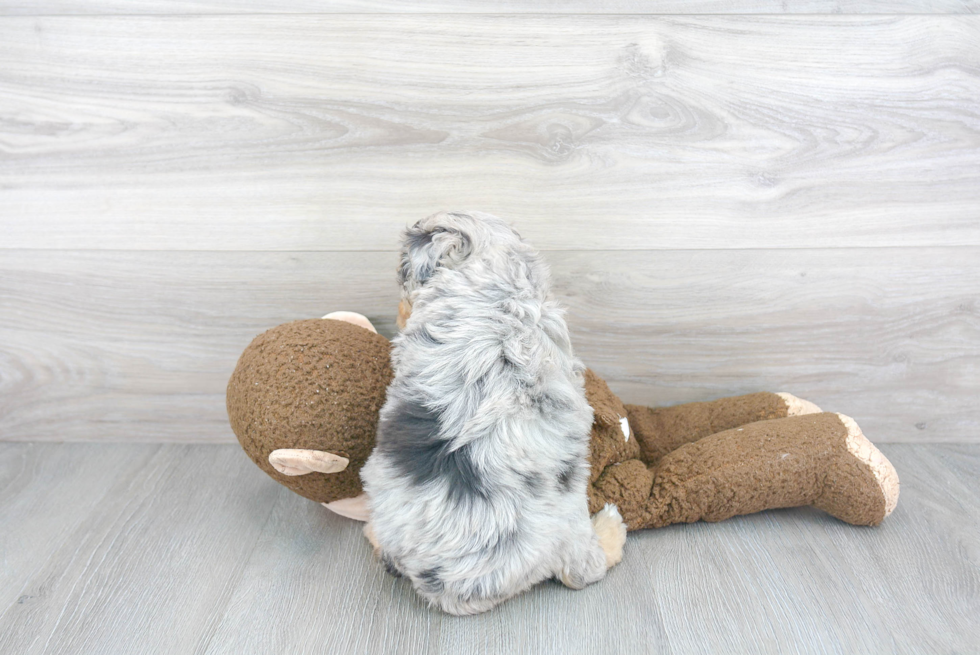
{"x":797,"y":406}
{"x":609,"y":526}
{"x":866,"y":452}
{"x":353,"y":508}
{"x":859,"y":484}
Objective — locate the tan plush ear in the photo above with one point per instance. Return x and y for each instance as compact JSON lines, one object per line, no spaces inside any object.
{"x":293,"y":461}
{"x":359,"y":320}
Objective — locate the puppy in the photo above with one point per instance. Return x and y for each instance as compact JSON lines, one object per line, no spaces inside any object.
{"x":477,"y":484}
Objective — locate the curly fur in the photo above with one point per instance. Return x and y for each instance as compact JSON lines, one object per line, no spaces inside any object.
{"x":477,"y":485}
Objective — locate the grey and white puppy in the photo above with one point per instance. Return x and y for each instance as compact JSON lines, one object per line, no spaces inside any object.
{"x":477,"y":484}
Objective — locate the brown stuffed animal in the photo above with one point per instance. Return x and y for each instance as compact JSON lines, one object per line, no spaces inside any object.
{"x":305,"y":396}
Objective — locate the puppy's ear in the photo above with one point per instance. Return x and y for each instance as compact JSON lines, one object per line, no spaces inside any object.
{"x":428,"y":246}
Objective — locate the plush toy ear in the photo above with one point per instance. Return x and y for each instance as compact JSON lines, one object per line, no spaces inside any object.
{"x":295,"y":461}
{"x":354,"y":318}
{"x":432,"y":243}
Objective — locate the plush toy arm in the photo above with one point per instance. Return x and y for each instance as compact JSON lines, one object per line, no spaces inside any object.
{"x":353,"y":508}
{"x":821,"y":460}
{"x":664,"y":429}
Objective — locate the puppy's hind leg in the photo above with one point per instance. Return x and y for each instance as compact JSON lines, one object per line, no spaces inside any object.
{"x":609,"y":527}
{"x":372,"y":538}
{"x":602,"y":551}
{"x":389,"y":563}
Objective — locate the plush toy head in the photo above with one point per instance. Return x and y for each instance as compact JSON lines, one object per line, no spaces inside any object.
{"x":304,"y":403}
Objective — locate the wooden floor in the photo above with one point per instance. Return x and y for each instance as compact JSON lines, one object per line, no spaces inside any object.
{"x":140,"y":548}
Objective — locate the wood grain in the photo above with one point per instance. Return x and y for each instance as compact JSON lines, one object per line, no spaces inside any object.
{"x":889,"y":337}
{"x":45,"y":496}
{"x":100,"y":7}
{"x":151,"y":567}
{"x":193,"y":549}
{"x":138,"y":346}
{"x":610,"y":132}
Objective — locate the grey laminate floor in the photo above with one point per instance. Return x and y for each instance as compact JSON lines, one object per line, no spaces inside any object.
{"x":130,"y":548}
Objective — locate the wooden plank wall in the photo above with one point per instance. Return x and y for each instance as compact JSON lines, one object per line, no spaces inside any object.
{"x":729,"y":202}
{"x":593,"y":7}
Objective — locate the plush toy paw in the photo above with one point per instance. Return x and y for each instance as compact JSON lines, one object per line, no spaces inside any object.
{"x":352,"y":508}
{"x":863,"y":486}
{"x":797,"y":406}
{"x":609,"y":526}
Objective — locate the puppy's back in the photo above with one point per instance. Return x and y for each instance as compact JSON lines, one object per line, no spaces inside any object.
{"x":480,"y":463}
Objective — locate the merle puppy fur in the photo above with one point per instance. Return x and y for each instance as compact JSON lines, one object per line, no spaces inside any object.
{"x":477,"y":485}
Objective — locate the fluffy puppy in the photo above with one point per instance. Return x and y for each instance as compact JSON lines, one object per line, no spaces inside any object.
{"x":477,"y":484}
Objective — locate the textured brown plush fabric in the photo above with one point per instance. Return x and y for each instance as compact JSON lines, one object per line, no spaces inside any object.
{"x":789,"y":462}
{"x":665,"y":429}
{"x":626,"y":485}
{"x":608,"y":443}
{"x":316,"y":384}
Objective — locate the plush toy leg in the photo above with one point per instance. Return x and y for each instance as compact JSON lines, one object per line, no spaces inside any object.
{"x":821,"y":460}
{"x":662,"y":430}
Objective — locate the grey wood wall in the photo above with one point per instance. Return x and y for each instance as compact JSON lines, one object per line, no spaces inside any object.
{"x":729,"y":202}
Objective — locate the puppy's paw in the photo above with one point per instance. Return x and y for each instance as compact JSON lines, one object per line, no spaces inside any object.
{"x":609,"y":526}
